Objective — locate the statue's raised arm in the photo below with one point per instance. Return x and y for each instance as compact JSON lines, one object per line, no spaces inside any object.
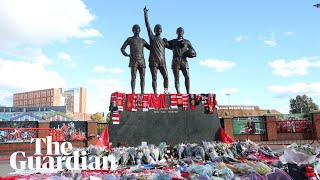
{"x":157,"y":53}
{"x":146,"y":20}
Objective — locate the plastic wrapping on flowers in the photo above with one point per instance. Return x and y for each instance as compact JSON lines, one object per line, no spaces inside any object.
{"x":211,"y":160}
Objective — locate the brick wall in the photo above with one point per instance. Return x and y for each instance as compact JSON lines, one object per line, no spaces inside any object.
{"x":6,"y":149}
{"x":271,"y":130}
{"x":316,"y":120}
{"x":271,"y":127}
{"x":92,"y":133}
{"x":228,"y":127}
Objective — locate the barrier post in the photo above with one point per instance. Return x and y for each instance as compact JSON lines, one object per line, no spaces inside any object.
{"x":271,"y":128}
{"x":316,"y":124}
{"x":228,"y":126}
{"x":92,"y":133}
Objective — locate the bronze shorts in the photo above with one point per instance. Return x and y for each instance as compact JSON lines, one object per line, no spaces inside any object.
{"x":179,"y":63}
{"x":137,"y":63}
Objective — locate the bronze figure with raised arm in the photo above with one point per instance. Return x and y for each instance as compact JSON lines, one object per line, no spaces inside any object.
{"x":136,"y":56}
{"x":157,"y":54}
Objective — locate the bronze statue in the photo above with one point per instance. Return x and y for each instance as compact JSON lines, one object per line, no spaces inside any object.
{"x":136,"y":56}
{"x":181,"y":49}
{"x":157,"y":54}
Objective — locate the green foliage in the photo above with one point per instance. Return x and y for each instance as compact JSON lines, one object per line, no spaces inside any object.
{"x":97,"y":117}
{"x":57,"y":113}
{"x":302,"y":104}
{"x":108,"y":117}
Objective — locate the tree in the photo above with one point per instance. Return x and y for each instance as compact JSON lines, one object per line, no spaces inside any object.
{"x":97,"y":117}
{"x":302,"y":104}
{"x":108,"y":117}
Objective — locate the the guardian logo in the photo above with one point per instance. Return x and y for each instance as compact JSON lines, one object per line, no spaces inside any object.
{"x":49,"y":160}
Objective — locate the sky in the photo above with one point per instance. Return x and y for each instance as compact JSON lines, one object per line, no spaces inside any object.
{"x":259,"y":52}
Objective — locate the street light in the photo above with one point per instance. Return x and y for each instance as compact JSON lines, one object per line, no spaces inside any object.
{"x":228,"y":94}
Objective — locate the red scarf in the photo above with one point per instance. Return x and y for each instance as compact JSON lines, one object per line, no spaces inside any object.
{"x":131,"y":102}
{"x":145,"y":102}
{"x":163,"y":100}
{"x":120,"y":100}
{"x":179,"y":100}
{"x":116,"y":117}
{"x":211,"y":102}
{"x":185,"y":100}
{"x":157,"y":101}
{"x":193,"y":99}
{"x":139,"y":101}
{"x":173,"y":101}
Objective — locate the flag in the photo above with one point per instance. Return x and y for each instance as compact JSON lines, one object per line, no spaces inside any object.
{"x":224,"y":137}
{"x":104,"y":139}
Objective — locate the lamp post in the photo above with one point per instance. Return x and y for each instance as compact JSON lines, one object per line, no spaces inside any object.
{"x":228,"y":94}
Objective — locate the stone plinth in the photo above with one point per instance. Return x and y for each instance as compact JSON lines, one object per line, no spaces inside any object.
{"x":172,"y":126}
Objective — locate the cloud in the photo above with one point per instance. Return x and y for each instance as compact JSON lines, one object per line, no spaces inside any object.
{"x":270,"y":41}
{"x":106,"y":84}
{"x":115,"y":70}
{"x":229,"y":91}
{"x":5,"y":98}
{"x":30,"y":54}
{"x":27,"y":26}
{"x":17,"y":76}
{"x":289,"y":33}
{"x":98,"y":100}
{"x":102,"y":69}
{"x":249,"y":101}
{"x":42,"y":21}
{"x":64,"y":57}
{"x":89,"y":42}
{"x":99,"y":69}
{"x":36,"y":55}
{"x":295,"y":88}
{"x":240,"y":38}
{"x":284,"y":109}
{"x":287,"y":68}
{"x":218,"y":65}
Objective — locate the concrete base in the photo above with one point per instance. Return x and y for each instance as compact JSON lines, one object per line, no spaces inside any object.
{"x":172,"y":126}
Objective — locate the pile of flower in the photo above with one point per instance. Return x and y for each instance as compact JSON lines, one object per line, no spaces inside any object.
{"x":211,"y":160}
